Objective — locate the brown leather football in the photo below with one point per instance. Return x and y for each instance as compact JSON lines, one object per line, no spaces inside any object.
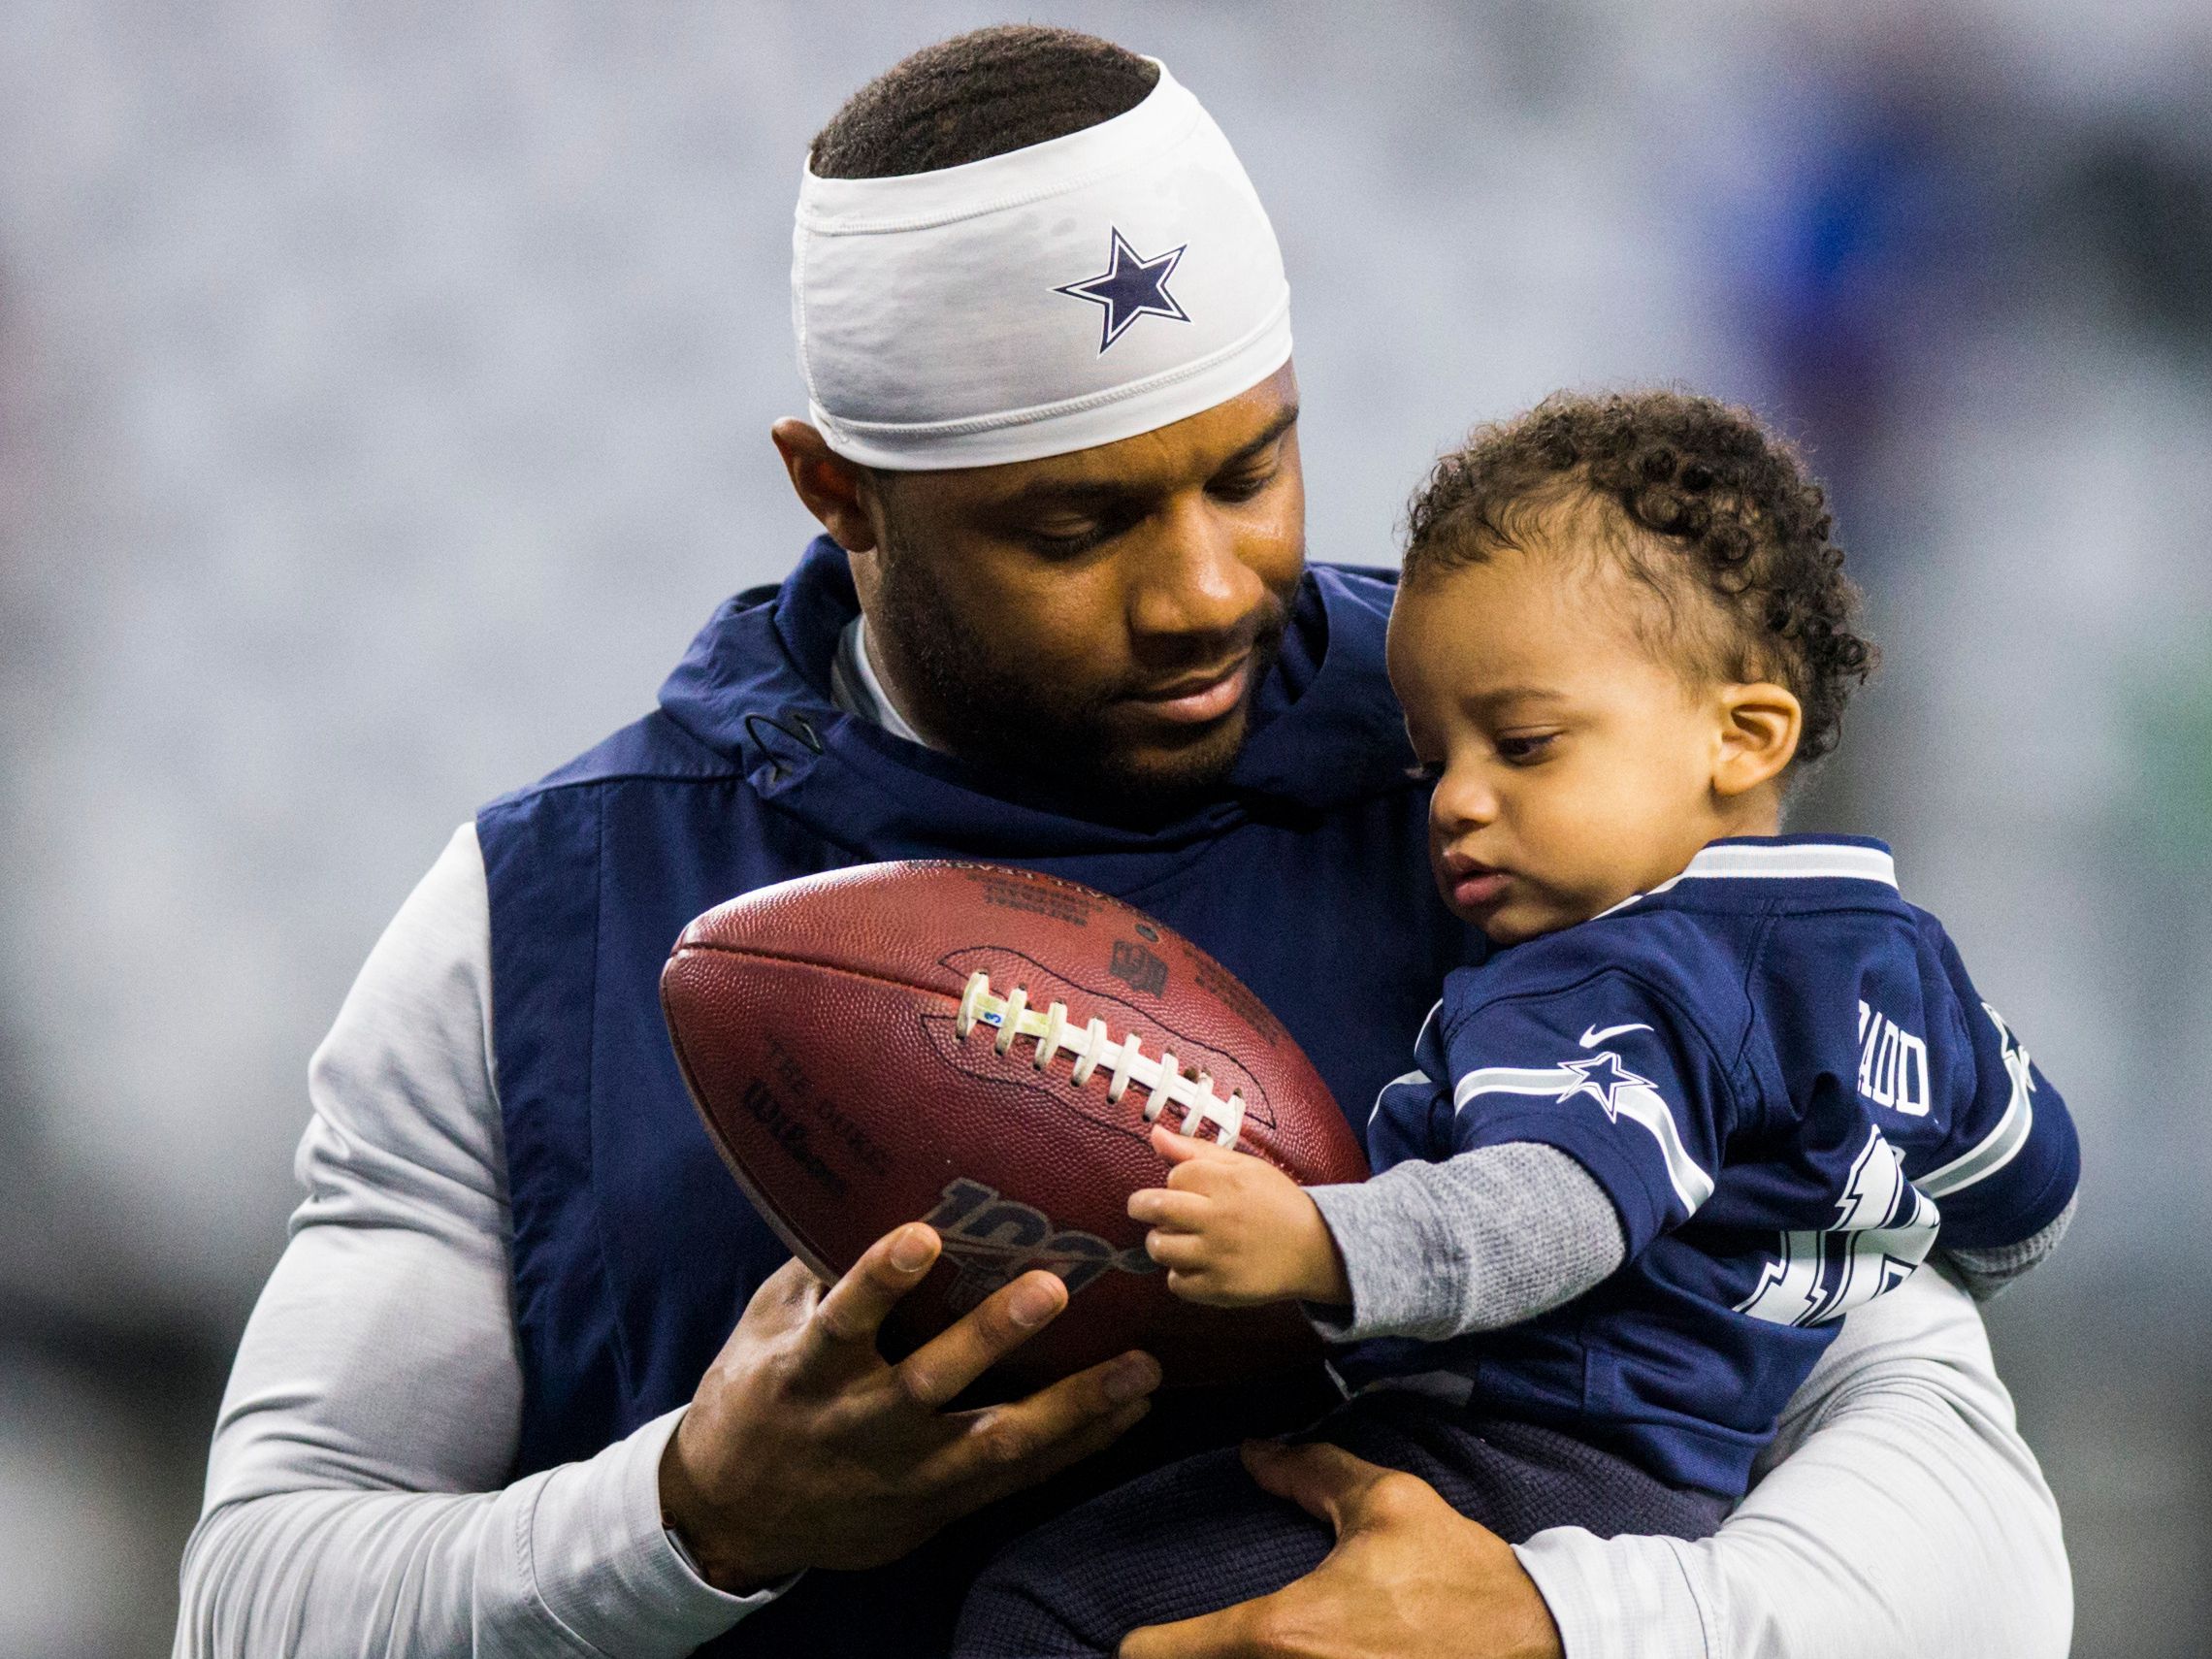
{"x":986,"y":1049}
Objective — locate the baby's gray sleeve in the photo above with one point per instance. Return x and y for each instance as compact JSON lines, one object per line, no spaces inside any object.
{"x":1485,"y":1239}
{"x":1986,"y":1272}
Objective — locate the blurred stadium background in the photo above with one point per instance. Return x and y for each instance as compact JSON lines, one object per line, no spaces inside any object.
{"x":382,"y":404}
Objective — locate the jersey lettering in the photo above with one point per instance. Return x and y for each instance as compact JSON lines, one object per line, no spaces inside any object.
{"x":1892,"y":1063}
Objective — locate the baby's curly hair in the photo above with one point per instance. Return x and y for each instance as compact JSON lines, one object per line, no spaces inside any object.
{"x":1687,"y":489}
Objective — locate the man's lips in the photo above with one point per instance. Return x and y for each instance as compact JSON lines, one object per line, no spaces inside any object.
{"x":1197,"y":699}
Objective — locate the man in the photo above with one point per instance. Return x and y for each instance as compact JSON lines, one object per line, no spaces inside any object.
{"x":492,"y":1398}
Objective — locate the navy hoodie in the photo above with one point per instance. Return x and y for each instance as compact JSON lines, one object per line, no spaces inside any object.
{"x":633,"y":1250}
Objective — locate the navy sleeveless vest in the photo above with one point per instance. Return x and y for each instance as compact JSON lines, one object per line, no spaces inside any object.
{"x":633,"y":1250}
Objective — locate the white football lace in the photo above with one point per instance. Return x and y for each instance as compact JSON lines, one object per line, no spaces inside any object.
{"x":1163,"y":1079}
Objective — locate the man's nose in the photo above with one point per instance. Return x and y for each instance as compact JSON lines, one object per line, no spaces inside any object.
{"x":1192,"y":579}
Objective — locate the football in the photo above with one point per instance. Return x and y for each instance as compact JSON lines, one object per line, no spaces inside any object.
{"x":986,"y":1049}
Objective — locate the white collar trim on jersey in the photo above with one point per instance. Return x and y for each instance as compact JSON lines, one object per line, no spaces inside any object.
{"x":1798,"y":860}
{"x":1789,"y":861}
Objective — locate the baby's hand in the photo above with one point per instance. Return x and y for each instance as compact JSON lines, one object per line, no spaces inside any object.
{"x":1233,"y":1230}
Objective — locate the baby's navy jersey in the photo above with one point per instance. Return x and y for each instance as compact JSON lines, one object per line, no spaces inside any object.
{"x":1778,"y":1070}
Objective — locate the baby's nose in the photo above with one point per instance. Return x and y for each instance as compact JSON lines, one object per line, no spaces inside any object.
{"x":1462,"y":803}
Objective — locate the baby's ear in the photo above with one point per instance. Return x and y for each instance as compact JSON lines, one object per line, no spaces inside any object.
{"x":1759,"y":731}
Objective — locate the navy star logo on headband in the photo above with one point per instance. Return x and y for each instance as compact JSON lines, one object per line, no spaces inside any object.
{"x":1132,"y":286}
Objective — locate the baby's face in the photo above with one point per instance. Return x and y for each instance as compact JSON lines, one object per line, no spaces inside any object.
{"x":1572,"y":768}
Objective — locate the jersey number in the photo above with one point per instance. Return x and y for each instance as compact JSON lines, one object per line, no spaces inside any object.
{"x":1882,"y":1232}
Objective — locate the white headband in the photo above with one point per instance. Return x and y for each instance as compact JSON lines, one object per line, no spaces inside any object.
{"x":1079,"y":291}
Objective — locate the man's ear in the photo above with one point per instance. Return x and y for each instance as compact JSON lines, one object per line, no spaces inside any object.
{"x":835,"y":491}
{"x":1759,"y":731}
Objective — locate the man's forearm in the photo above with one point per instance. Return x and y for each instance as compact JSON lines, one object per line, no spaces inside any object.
{"x":356,"y":1491}
{"x":571,"y":1561}
{"x":1901,"y":1515}
{"x":355,"y":1497}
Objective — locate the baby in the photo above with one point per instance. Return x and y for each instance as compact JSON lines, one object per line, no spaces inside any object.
{"x":1717,"y":1086}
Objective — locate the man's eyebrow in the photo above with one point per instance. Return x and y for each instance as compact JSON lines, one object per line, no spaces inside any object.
{"x":1282,"y":422}
{"x":1079,"y":491}
{"x":1095,"y":491}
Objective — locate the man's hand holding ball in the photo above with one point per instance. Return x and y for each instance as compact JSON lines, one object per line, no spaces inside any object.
{"x":804,"y":1447}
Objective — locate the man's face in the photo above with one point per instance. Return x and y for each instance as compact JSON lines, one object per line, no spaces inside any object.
{"x":1099,"y":620}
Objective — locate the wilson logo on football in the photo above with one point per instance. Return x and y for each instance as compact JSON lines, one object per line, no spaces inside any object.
{"x":1090,"y":1048}
{"x":991,"y":1241}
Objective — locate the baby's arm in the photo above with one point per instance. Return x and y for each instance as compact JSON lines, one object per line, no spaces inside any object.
{"x":1489,"y":1238}
{"x":2006,"y":1177}
{"x":1526,"y":1160}
{"x":1486,"y":1239}
{"x":1550,"y":1135}
{"x":1988,"y":1271}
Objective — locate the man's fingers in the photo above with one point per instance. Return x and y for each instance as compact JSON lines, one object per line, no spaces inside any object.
{"x":1001,"y":1479}
{"x":1002,"y":1448}
{"x":1009,"y":1316}
{"x":852,"y":1310}
{"x":789,"y":1293}
{"x":1408,"y":1576}
{"x":784,"y":1303}
{"x":1015,"y":1442}
{"x":1327,"y":1481}
{"x":1233,"y":1632}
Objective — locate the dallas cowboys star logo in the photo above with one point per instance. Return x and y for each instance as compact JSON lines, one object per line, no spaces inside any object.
{"x":1602,"y":1077}
{"x":1132,"y":286}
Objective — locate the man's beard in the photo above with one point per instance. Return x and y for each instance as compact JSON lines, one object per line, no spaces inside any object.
{"x":1036,"y":733}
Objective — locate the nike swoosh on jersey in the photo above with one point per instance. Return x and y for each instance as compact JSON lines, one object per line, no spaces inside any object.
{"x":1591,"y":1036}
